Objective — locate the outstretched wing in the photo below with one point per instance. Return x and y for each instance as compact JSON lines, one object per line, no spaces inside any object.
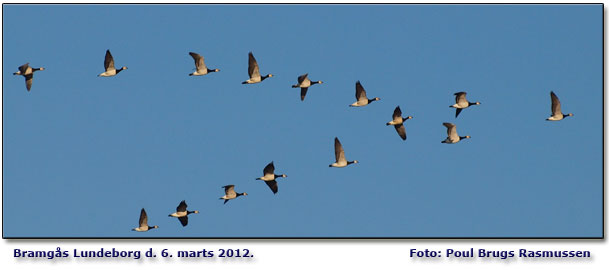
{"x":230,"y":190}
{"x":181,"y":207}
{"x":303,"y":92}
{"x":457,"y":112}
{"x":143,"y":218}
{"x":301,"y":78}
{"x":360,"y":93}
{"x":555,"y":104}
{"x":450,"y":128}
{"x":183,"y":220}
{"x":401,"y":131}
{"x":28,"y":80}
{"x":199,"y":61}
{"x":272,"y":185}
{"x":339,"y":153}
{"x":253,"y":69}
{"x":269,"y":169}
{"x":397,"y":113}
{"x":108,"y":61}
{"x":460,"y":97}
{"x":23,"y":68}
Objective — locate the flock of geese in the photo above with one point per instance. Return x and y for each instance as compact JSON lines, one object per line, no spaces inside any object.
{"x":269,"y":177}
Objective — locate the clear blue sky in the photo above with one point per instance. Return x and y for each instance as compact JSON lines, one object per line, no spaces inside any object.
{"x":83,"y":154}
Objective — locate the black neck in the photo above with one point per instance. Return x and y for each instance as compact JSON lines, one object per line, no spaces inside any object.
{"x":312,"y":83}
{"x":211,"y":70}
{"x":239,"y":194}
{"x":119,"y":70}
{"x":371,"y":100}
{"x":264,"y":77}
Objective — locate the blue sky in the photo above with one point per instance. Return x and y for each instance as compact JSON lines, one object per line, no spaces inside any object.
{"x":83,"y":154}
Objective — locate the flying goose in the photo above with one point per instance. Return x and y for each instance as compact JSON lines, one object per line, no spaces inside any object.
{"x":398,"y":122}
{"x":304,"y":83}
{"x":462,"y":103}
{"x":339,"y":153}
{"x":229,"y":190}
{"x":254,"y":71}
{"x":269,"y":177}
{"x":109,"y":66}
{"x":360,"y":96}
{"x":556,"y":112}
{"x":144,"y":223}
{"x":453,"y":137}
{"x":182,"y":214}
{"x":28,"y":72}
{"x":200,"y":65}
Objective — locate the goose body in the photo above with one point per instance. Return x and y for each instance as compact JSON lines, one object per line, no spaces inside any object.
{"x":269,"y":177}
{"x":557,"y":114}
{"x":451,"y":131}
{"x":254,"y":71}
{"x":109,"y":66}
{"x":28,"y":73}
{"x":230,"y":193}
{"x":339,"y":154}
{"x":144,"y":223}
{"x":304,"y":83}
{"x":182,"y":213}
{"x":360,"y":96}
{"x":462,"y":103}
{"x":201,"y":68}
{"x":398,"y":122}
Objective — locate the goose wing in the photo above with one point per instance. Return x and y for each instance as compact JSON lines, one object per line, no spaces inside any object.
{"x":230,"y":191}
{"x":183,"y":220}
{"x":451,"y":130}
{"x":360,"y":93}
{"x":181,"y":207}
{"x":23,"y":68}
{"x":302,"y":78}
{"x":555,"y":104}
{"x":269,"y":169}
{"x":457,"y":112}
{"x":460,"y":97}
{"x":303,"y":92}
{"x":253,"y":69}
{"x":28,"y":80}
{"x":108,"y":61}
{"x":143,"y":218}
{"x":401,"y":131}
{"x":272,"y":185}
{"x":199,"y":61}
{"x":339,"y":153}
{"x":397,"y":114}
